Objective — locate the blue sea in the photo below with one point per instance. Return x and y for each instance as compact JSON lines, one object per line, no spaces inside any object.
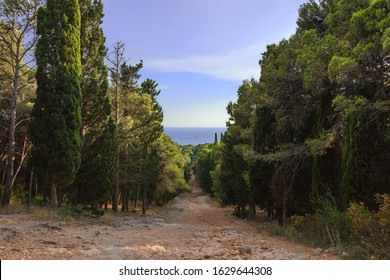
{"x":194,"y":135}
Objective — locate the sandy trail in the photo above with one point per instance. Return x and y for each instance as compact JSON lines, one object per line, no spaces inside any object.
{"x":190,"y":227}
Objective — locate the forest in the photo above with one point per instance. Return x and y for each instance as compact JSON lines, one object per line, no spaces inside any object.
{"x":78,"y":128}
{"x":309,"y":142}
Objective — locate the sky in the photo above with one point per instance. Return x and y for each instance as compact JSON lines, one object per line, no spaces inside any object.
{"x":198,"y":51}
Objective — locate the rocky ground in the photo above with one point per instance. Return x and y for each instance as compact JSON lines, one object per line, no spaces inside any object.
{"x":190,"y":227}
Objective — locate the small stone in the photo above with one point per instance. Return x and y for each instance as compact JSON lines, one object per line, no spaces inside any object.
{"x":344,"y":255}
{"x":301,"y":257}
{"x":281,"y":256}
{"x":317,"y":252}
{"x":245,"y":250}
{"x":157,"y":249}
{"x":267,"y":256}
{"x":332,"y":250}
{"x":55,"y":228}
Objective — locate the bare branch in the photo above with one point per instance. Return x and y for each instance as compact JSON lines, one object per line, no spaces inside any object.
{"x":3,"y":127}
{"x":25,"y":151}
{"x":20,"y":122}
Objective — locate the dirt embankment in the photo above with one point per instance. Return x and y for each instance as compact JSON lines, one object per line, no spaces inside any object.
{"x":190,"y":227}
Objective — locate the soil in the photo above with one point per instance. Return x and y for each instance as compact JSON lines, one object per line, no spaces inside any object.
{"x":191,"y":226}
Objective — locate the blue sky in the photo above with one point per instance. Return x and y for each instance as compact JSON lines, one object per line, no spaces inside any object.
{"x":199,"y":51}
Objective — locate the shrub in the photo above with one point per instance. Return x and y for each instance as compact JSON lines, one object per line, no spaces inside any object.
{"x":370,"y":235}
{"x":287,"y":232}
{"x":333,"y":224}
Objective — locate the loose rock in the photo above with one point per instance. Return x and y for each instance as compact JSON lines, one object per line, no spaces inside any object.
{"x":301,"y":257}
{"x":317,"y":252}
{"x":245,"y":250}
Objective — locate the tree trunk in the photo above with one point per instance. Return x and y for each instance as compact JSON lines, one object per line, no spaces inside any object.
{"x":284,"y":207}
{"x":125,"y":200}
{"x":53,"y":195}
{"x":11,"y":145}
{"x":144,"y":201}
{"x":117,"y":163}
{"x":253,"y":208}
{"x":23,"y":156}
{"x":30,"y":185}
{"x":137,"y":198}
{"x":116,"y":187}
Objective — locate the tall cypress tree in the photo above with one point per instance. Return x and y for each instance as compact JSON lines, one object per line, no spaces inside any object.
{"x":56,"y":116}
{"x":95,"y":178}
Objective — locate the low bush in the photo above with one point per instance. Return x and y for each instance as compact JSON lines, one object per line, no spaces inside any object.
{"x":363,"y":233}
{"x":370,"y":235}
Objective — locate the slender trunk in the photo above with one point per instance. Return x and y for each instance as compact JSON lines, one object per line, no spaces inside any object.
{"x":36,"y":185}
{"x":284,"y":207}
{"x":123,"y":203}
{"x":124,"y":200}
{"x":3,"y":177}
{"x":144,"y":200}
{"x":253,"y":206}
{"x":30,"y":188}
{"x":11,"y":141}
{"x":117,"y":163}
{"x":116,"y":186}
{"x":53,"y":195}
{"x":137,"y":198}
{"x":23,"y":156}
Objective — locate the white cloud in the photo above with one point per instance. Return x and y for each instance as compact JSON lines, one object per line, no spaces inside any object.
{"x":238,"y":64}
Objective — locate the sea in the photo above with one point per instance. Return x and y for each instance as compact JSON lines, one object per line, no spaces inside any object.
{"x":194,"y":135}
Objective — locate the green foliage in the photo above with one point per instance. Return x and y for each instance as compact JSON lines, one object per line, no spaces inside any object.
{"x":95,"y":177}
{"x":342,"y":69}
{"x":386,"y":41}
{"x":56,"y":116}
{"x":67,"y":211}
{"x":38,"y":200}
{"x":174,"y":161}
{"x":204,"y":164}
{"x":288,"y":232}
{"x":370,"y":236}
{"x":333,"y":223}
{"x":312,"y":16}
{"x":316,"y":124}
{"x":353,"y":172}
{"x":327,"y":227}
{"x":320,"y":145}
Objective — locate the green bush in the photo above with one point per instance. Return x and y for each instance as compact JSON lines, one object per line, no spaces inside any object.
{"x":287,"y":232}
{"x":362,"y":233}
{"x":370,"y":235}
{"x":334,"y":225}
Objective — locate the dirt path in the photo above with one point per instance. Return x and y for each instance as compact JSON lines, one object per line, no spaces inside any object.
{"x":190,"y":227}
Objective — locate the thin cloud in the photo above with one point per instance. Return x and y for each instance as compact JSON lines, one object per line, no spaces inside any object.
{"x":238,"y":64}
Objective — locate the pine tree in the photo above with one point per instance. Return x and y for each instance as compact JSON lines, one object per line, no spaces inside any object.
{"x":56,"y":116}
{"x":95,"y":178}
{"x":18,"y":21}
